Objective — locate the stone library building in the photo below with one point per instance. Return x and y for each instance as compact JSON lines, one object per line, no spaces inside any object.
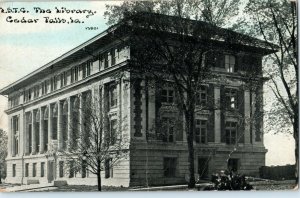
{"x":42,"y":104}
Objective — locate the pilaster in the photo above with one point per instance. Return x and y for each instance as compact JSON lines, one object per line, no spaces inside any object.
{"x":59,"y":130}
{"x":42,"y":143}
{"x":217,"y":116}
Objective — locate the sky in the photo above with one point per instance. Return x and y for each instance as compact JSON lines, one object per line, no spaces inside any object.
{"x":25,"y":47}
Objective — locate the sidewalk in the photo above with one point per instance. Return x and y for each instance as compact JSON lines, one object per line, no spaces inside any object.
{"x":28,"y":188}
{"x":173,"y":187}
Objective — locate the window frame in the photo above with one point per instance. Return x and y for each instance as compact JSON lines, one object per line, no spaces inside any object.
{"x":113,"y":96}
{"x":14,"y":171}
{"x":169,"y":128}
{"x":231,"y":132}
{"x":202,"y":129}
{"x":61,"y":169}
{"x":34,"y":169}
{"x":169,"y":167}
{"x":42,"y":169}
{"x":200,"y":93}
{"x":113,"y":127}
{"x":231,"y":96}
{"x":229,"y":63}
{"x":26,"y":169}
{"x":167,"y":98}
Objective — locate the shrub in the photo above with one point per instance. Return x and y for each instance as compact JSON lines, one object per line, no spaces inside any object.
{"x":226,"y":180}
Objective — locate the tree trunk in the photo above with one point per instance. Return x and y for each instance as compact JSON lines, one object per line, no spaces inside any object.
{"x":99,"y":174}
{"x":0,"y":176}
{"x":99,"y":180}
{"x":296,"y":137}
{"x":189,"y":117}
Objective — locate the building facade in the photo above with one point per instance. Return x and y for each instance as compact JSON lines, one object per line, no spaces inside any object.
{"x":43,"y":103}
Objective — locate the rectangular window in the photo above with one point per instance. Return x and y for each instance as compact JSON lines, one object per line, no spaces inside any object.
{"x":233,"y":164}
{"x":167,"y":96}
{"x":42,"y":169}
{"x":89,"y":68}
{"x":168,"y":129}
{"x":44,"y":87}
{"x":51,"y":84}
{"x":14,"y":170}
{"x":36,"y":92}
{"x":201,"y":131}
{"x":55,"y":79}
{"x":65,"y":78}
{"x":113,"y":96}
{"x":34,"y":170}
{"x":84,"y":73}
{"x":26,"y":169}
{"x":229,"y":63}
{"x":61,"y":169}
{"x":113,"y":131}
{"x":231,"y":132}
{"x":231,"y":98}
{"x":72,"y":169}
{"x":101,"y":62}
{"x":202,"y":96}
{"x":170,"y":166}
{"x":72,"y":75}
{"x":108,"y":168}
{"x":29,"y":94}
{"x":106,"y":60}
{"x":15,"y":129}
{"x":203,"y":167}
{"x":61,"y":80}
{"x":113,"y":56}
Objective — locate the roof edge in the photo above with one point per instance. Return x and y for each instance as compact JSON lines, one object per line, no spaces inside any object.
{"x":3,"y":91}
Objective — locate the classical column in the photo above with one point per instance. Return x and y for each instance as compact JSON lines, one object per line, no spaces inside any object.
{"x":247,"y":110}
{"x":42,"y":143}
{"x":254,"y":117}
{"x":151,"y":111}
{"x":59,"y":130}
{"x":81,"y":130}
{"x":10,"y":144}
{"x":49,"y":126}
{"x":33,"y":138}
{"x":119,"y":106}
{"x":26,"y":134}
{"x":70,"y":122}
{"x":217,"y":114}
{"x":143,"y":108}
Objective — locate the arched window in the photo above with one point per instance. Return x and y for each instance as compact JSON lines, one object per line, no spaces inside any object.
{"x":54,"y":121}
{"x":45,"y":128}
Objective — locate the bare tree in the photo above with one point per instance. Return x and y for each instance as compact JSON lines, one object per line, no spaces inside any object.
{"x":276,"y":22}
{"x":3,"y":153}
{"x":177,"y":49}
{"x":98,"y":142}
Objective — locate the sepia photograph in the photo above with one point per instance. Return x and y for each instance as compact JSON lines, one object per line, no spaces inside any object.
{"x":163,"y":95}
